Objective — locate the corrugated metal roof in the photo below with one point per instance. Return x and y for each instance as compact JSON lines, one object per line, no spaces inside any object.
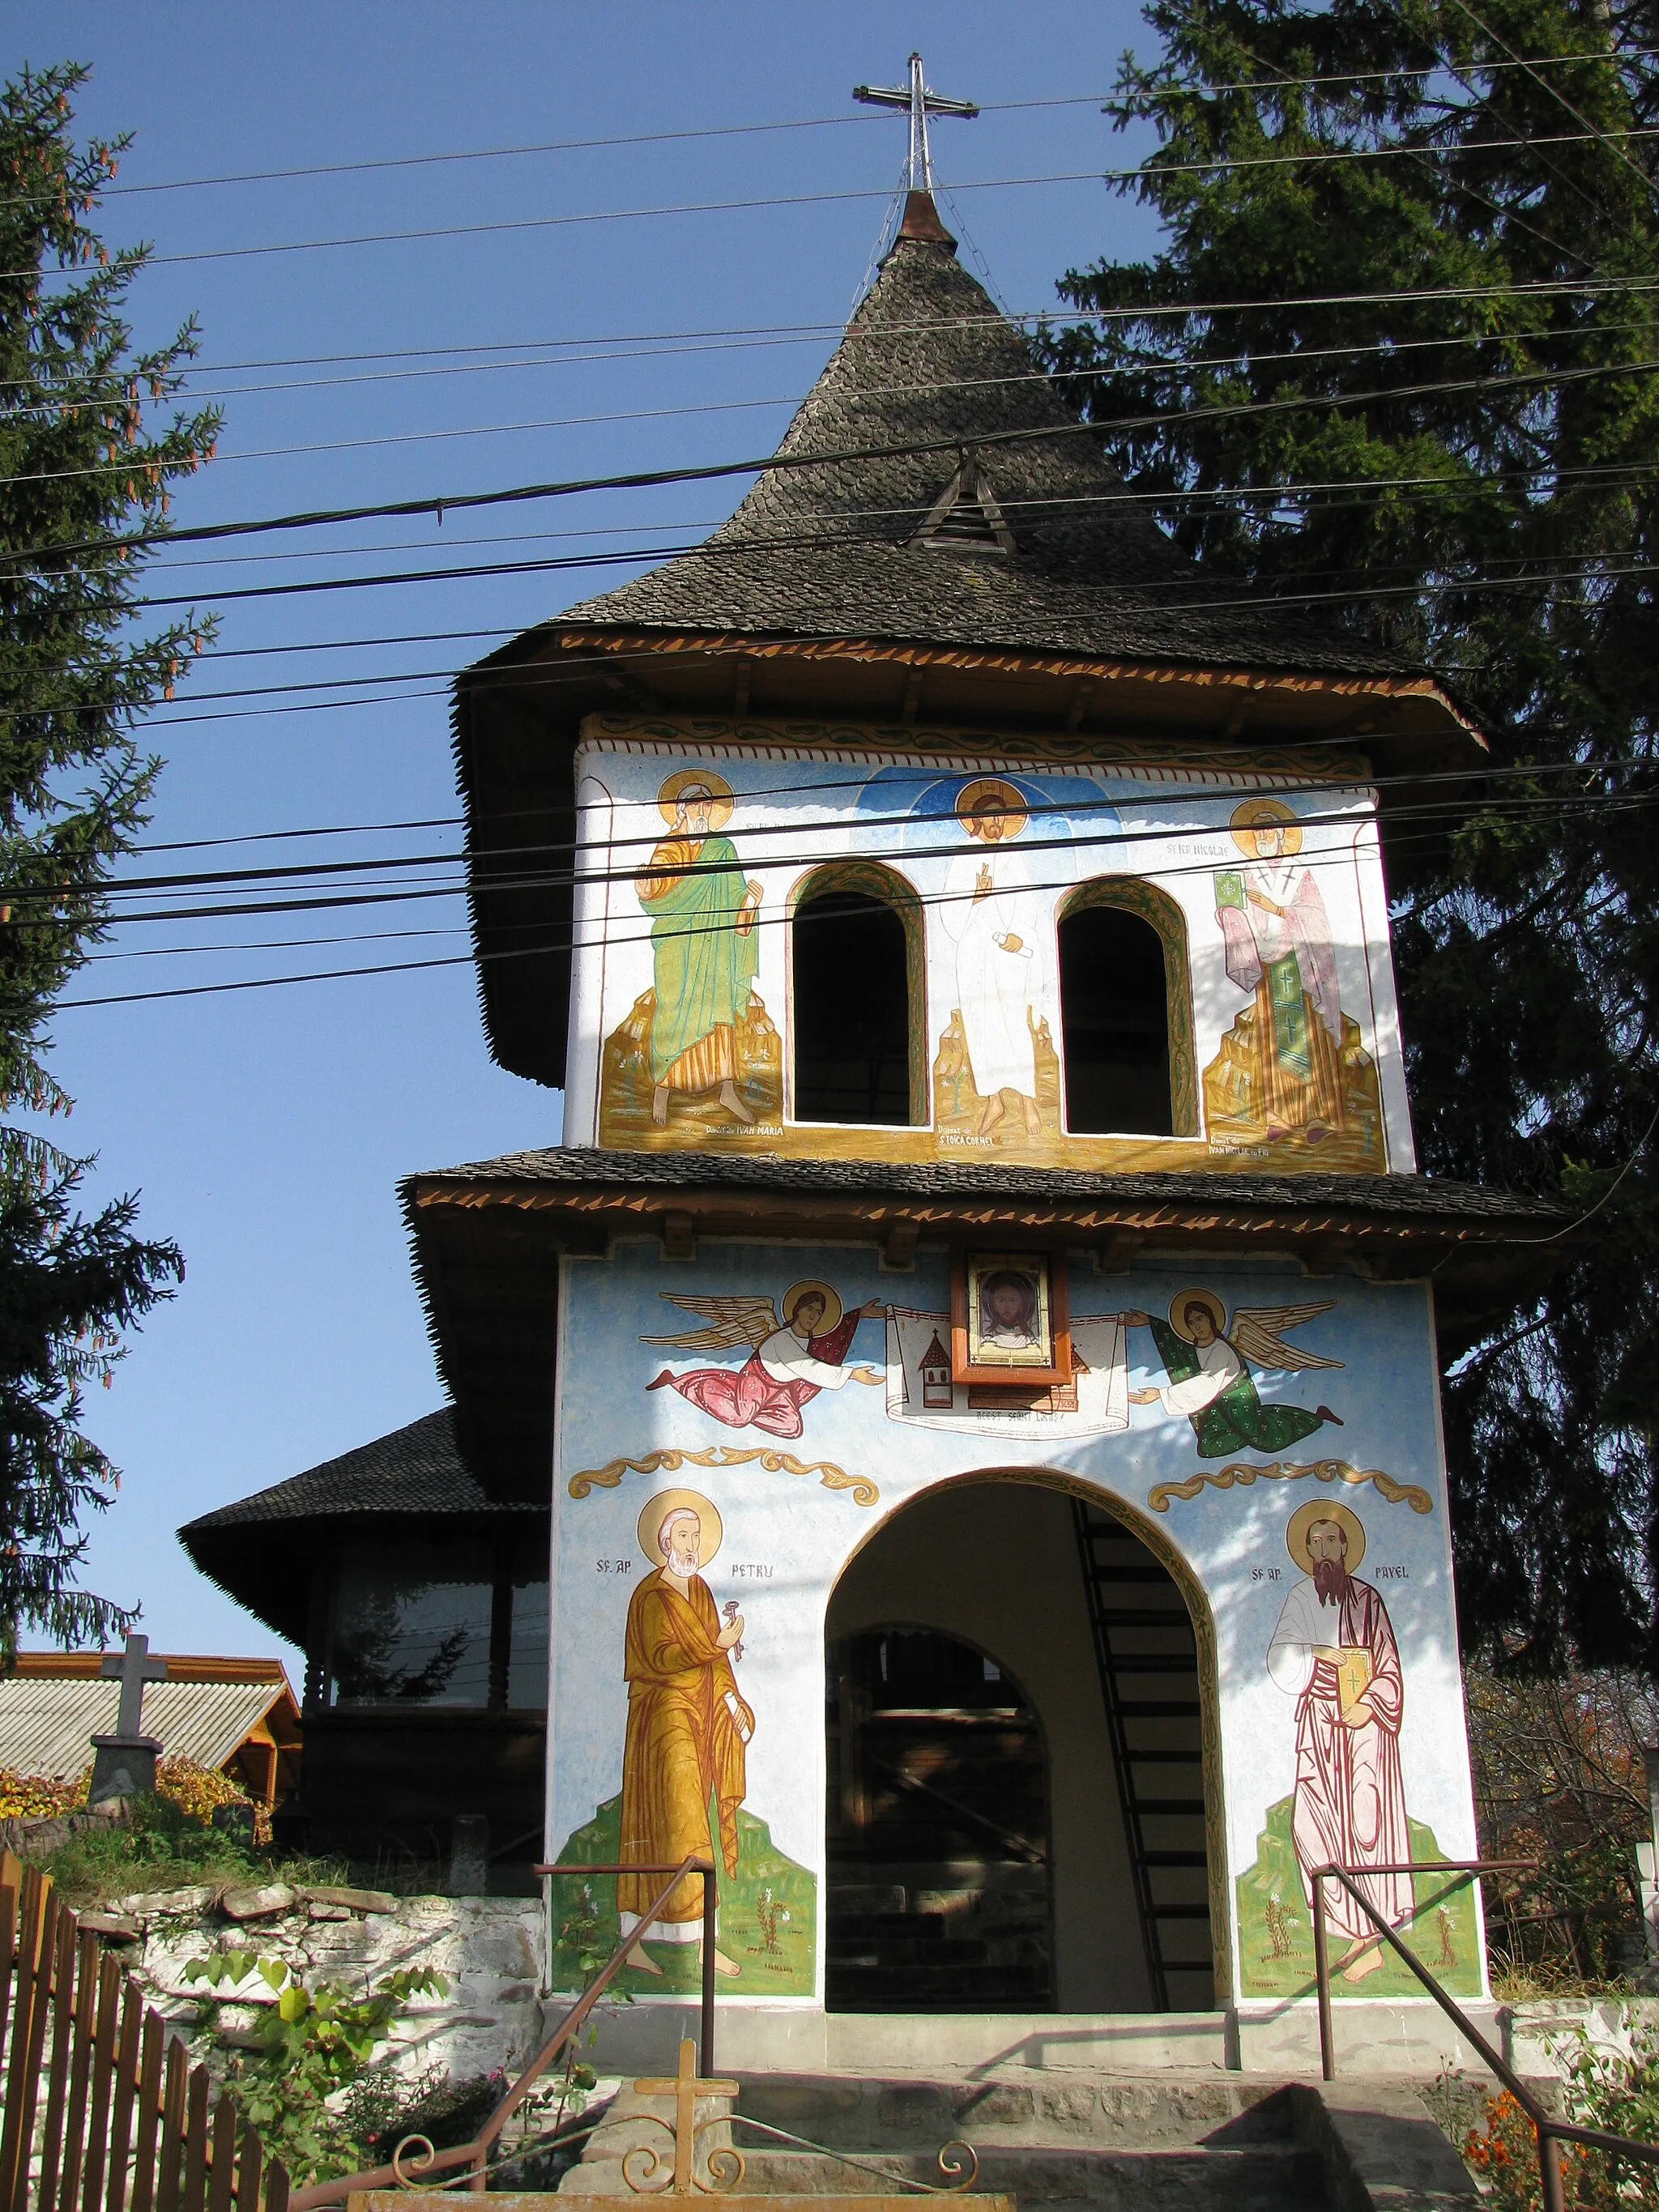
{"x":46,"y":1727}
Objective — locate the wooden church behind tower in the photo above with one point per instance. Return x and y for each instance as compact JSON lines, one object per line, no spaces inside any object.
{"x":953,"y":1427}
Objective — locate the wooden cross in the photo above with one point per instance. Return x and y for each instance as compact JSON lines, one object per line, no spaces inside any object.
{"x":686,"y":2089}
{"x":133,"y":1667}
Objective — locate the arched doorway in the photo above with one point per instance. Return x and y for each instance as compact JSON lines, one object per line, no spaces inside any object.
{"x":1099,"y":1661}
{"x":938,"y":1821}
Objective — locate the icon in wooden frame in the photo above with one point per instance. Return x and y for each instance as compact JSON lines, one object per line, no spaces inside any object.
{"x":1009,"y":1318}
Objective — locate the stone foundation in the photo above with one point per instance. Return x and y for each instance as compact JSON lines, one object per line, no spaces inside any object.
{"x":489,"y":1948}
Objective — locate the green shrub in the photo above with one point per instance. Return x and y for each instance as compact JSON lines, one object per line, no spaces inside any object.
{"x":312,"y":2042}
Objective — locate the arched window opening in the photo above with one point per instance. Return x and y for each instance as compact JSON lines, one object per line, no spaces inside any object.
{"x":938,"y":1830}
{"x":1115,"y":1009}
{"x":850,"y":1010}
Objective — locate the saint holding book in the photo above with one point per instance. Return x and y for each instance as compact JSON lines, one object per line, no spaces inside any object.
{"x":1278,"y":944}
{"x":1334,"y":1650}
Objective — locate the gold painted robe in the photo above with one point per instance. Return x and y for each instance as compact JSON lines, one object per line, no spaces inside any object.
{"x":683,"y":1746}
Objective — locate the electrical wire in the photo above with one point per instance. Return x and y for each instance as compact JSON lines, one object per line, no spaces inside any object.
{"x":572,"y":944}
{"x":519,"y":223}
{"x":744,"y":130}
{"x":652,"y":342}
{"x":580,"y":873}
{"x":1249,"y":361}
{"x":437,"y":505}
{"x":540,"y":222}
{"x":1322,"y":781}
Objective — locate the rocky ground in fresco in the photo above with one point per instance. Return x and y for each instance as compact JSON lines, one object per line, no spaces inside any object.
{"x":487,"y":1948}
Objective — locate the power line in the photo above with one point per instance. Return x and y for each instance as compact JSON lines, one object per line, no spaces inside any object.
{"x":730,"y":131}
{"x":523,"y":680}
{"x":437,"y":505}
{"x":555,"y":146}
{"x":496,"y":880}
{"x":650,"y":341}
{"x":567,"y":221}
{"x":570,"y":944}
{"x":1603,"y":472}
{"x":817,"y":200}
{"x":1389,"y":348}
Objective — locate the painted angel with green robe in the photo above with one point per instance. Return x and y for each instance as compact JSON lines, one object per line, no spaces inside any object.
{"x":1208,"y":1365}
{"x":704,"y":955}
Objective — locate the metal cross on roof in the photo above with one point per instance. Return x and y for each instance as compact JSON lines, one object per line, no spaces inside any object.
{"x":922,"y":103}
{"x":133,"y":1667}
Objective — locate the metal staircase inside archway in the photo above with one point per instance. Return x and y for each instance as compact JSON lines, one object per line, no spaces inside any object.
{"x":1148,"y":1663}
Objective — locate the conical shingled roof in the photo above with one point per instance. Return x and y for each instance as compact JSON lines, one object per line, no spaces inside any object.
{"x":831,"y":552}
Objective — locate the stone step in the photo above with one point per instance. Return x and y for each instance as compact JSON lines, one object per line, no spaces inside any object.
{"x":1135,"y":2145}
{"x":1071,"y":2111}
{"x":1145,"y":2143}
{"x":1258,"y":2177}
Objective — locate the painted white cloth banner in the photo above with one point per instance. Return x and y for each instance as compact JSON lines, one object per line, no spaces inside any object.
{"x":920,"y":1388}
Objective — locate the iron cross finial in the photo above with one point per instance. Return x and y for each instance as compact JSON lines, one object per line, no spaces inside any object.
{"x":922,"y":103}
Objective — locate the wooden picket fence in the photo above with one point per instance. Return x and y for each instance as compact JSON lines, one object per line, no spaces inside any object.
{"x":103,"y":2110}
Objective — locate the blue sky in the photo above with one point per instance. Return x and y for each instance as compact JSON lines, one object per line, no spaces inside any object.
{"x":266,"y":1129}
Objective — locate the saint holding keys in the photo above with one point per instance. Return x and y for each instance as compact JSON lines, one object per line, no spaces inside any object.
{"x":688,"y":1726}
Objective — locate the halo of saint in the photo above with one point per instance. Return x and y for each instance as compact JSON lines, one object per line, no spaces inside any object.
{"x":700,"y":783}
{"x":1324,"y":1508}
{"x":1211,"y":1304}
{"x":659,"y":1512}
{"x":988,"y":796}
{"x":1265,"y":814}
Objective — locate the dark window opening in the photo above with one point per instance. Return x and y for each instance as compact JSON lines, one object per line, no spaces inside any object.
{"x":435,"y":1624}
{"x":937,"y":1890}
{"x":1113,"y":996}
{"x":850,"y":1009}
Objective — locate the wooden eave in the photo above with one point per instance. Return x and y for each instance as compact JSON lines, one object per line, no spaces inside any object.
{"x":487,"y":1252}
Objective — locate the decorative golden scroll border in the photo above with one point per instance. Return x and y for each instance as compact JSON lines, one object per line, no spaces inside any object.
{"x":1323,"y":1470}
{"x":832,"y":1477}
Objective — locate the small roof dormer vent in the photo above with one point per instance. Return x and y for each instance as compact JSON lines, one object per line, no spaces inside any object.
{"x":965,"y":517}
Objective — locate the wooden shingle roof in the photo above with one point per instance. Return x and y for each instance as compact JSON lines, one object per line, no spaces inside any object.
{"x":930,"y":369}
{"x":260,"y":1550}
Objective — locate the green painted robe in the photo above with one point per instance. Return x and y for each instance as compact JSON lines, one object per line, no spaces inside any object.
{"x":1236,"y":1419}
{"x":702,"y":967}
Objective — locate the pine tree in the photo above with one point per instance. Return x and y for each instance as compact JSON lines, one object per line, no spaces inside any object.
{"x":84,"y":488}
{"x":1413,"y":257}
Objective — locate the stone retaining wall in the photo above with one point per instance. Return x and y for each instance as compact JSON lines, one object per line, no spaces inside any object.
{"x":489,"y":1948}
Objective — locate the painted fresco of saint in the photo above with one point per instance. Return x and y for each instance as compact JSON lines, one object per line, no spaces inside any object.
{"x":688,"y":1727}
{"x":1333,"y":1652}
{"x":1278,"y":944}
{"x":1000,"y":927}
{"x":790,"y":1359}
{"x":703,"y":950}
{"x":1210,"y":1382}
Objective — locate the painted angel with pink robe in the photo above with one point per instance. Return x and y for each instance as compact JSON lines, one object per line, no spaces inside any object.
{"x":1278,"y":944}
{"x":1334,"y":1650}
{"x":791,"y":1359}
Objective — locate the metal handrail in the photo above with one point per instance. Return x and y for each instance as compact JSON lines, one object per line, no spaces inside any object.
{"x":710,"y":1903}
{"x":1550,"y":2132}
{"x":475,"y":2155}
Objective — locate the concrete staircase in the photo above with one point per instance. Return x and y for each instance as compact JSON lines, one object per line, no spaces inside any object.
{"x":1125,"y":2143}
